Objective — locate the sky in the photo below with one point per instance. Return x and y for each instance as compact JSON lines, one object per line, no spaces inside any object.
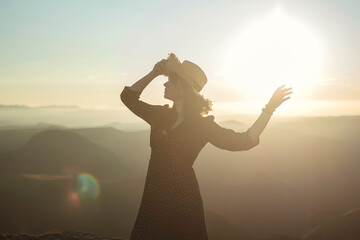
{"x":83,"y":53}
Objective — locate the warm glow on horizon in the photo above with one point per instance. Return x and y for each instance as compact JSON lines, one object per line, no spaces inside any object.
{"x":272,"y":51}
{"x":71,"y":69}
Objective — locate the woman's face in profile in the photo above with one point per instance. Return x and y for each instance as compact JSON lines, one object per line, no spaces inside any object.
{"x":173,"y":89}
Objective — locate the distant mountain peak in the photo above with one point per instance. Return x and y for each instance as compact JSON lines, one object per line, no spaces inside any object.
{"x":50,"y":137}
{"x":50,"y":151}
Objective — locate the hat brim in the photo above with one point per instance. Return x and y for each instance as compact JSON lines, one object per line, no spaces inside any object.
{"x":184,"y":78}
{"x":175,"y":67}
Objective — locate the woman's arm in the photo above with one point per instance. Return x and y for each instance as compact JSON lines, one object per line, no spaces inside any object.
{"x":226,"y":138}
{"x":141,"y":84}
{"x":276,"y":100}
{"x":130,"y":97}
{"x":258,"y":127}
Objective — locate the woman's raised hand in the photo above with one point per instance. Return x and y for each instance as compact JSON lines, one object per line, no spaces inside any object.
{"x":159,"y":68}
{"x":278,"y":97}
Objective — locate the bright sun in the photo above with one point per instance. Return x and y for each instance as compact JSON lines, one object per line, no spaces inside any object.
{"x":273,"y":51}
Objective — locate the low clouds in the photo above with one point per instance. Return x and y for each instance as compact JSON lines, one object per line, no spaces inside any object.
{"x":336,"y":90}
{"x":110,"y":78}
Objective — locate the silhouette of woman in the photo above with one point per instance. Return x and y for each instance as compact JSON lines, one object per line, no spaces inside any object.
{"x":171,"y":205}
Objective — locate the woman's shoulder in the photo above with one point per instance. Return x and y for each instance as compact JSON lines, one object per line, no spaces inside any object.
{"x":208,"y":118}
{"x":207,"y":121}
{"x":206,"y":124}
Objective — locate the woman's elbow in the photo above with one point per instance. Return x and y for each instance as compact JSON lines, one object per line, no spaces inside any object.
{"x":253,"y":139}
{"x":124,"y":98}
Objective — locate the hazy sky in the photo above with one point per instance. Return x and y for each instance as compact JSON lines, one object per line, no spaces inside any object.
{"x":84,"y":52}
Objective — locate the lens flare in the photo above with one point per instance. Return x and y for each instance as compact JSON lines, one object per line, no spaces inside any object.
{"x":88,"y":185}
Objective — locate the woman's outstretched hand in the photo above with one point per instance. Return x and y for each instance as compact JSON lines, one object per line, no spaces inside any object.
{"x":278,"y":97}
{"x":159,"y":68}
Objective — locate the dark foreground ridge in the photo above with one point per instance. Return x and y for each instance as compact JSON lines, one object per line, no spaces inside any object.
{"x":68,"y":235}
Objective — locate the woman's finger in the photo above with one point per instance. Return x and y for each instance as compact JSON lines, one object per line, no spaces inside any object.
{"x":286,"y":99}
{"x":286,"y":89}
{"x":281,"y":87}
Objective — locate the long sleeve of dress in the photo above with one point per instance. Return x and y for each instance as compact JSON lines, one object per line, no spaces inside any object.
{"x":148,"y":112}
{"x":228,"y":139}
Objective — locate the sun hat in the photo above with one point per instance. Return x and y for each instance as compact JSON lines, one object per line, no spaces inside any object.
{"x":187,"y":70}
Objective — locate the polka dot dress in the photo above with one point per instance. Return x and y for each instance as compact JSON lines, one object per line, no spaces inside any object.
{"x":171,"y":205}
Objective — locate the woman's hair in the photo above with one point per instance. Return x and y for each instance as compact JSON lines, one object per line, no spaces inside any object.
{"x":195,"y":104}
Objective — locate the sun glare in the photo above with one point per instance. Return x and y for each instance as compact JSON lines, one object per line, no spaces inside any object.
{"x":272,"y":51}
